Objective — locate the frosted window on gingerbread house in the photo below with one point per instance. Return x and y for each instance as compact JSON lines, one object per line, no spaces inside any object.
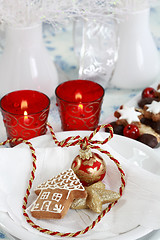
{"x":57,"y":197}
{"x":45,"y":195}
{"x":46,"y":205}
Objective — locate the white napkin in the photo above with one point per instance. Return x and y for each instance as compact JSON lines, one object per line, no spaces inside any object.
{"x":139,"y":205}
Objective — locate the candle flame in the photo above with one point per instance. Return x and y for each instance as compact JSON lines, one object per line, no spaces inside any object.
{"x":24,"y":104}
{"x":25,"y":115}
{"x":78,"y":96}
{"x":80,"y":106}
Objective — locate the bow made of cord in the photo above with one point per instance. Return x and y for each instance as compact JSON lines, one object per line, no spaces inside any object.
{"x":85,"y":142}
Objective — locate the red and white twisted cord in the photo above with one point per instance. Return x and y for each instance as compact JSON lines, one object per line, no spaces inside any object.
{"x":70,"y":141}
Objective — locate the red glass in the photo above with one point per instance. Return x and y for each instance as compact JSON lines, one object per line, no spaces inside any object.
{"x":79,"y":103}
{"x":25,"y":113}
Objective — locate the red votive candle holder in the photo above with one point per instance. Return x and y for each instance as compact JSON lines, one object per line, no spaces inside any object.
{"x":79,"y":103}
{"x":25,"y":114}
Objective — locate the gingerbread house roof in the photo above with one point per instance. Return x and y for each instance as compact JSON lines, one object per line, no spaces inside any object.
{"x":65,"y":180}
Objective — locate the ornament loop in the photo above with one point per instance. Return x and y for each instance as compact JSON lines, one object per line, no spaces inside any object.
{"x":85,"y":154}
{"x":84,"y":143}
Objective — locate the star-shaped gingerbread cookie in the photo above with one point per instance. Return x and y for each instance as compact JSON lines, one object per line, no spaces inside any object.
{"x":127,"y":115}
{"x":97,"y":195}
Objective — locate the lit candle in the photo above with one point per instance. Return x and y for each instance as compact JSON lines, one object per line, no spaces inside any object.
{"x":78,"y":97}
{"x":80,"y":109}
{"x":79,"y":103}
{"x":26,"y":120}
{"x":24,"y":105}
{"x":25,"y":114}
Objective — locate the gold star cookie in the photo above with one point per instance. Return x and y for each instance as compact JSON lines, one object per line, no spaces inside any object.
{"x":97,"y":195}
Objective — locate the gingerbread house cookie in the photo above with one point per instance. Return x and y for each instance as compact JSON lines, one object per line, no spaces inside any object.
{"x":56,"y":195}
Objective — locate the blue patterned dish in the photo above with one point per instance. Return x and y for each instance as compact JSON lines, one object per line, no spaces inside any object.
{"x":4,"y":235}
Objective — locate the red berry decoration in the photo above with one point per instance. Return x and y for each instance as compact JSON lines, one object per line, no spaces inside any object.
{"x":131,"y":131}
{"x":148,"y":92}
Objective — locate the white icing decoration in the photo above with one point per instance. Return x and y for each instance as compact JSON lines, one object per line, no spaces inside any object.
{"x":154,"y":107}
{"x":45,"y":195}
{"x":58,"y":208}
{"x":66,"y":180}
{"x":129,"y":114}
{"x":57,"y":197}
{"x":35,"y":206}
{"x":45,"y":206}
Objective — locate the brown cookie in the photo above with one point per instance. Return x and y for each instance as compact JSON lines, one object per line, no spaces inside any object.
{"x":56,"y":195}
{"x":148,"y":119}
{"x":144,"y":129}
{"x":128,"y":115}
{"x":157,"y":93}
{"x":144,"y":101}
{"x":152,"y":111}
{"x":148,"y":139}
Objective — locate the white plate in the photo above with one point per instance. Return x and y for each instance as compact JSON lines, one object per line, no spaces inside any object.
{"x":132,"y":150}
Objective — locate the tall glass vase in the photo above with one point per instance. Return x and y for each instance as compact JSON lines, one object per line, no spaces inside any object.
{"x":25,"y":62}
{"x":98,"y":53}
{"x":138,"y":62}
